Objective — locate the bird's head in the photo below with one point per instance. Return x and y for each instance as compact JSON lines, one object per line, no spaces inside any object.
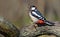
{"x":33,"y":7}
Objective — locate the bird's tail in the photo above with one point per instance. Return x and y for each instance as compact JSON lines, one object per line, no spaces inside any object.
{"x":49,"y":23}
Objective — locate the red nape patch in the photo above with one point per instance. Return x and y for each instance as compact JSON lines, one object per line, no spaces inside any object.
{"x":40,"y":21}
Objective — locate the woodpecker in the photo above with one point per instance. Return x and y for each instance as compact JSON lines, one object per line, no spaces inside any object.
{"x":38,"y":18}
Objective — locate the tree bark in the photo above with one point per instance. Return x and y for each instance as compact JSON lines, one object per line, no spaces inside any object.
{"x":8,"y":29}
{"x":27,"y":31}
{"x":31,"y":31}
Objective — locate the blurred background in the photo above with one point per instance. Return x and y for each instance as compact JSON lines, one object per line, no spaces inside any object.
{"x":16,"y":11}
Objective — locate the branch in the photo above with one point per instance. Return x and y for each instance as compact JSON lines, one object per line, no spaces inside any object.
{"x":31,"y":31}
{"x":10,"y":31}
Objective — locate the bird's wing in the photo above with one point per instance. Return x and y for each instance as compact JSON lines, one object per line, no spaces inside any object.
{"x":38,"y":15}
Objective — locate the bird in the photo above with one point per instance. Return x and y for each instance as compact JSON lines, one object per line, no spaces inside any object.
{"x":37,"y":17}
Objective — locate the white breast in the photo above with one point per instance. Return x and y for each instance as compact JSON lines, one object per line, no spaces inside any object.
{"x":33,"y":18}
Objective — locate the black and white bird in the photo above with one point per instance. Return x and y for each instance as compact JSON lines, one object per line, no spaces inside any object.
{"x":37,"y":17}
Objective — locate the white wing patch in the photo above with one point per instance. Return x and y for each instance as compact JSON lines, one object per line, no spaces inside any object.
{"x":36,"y":14}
